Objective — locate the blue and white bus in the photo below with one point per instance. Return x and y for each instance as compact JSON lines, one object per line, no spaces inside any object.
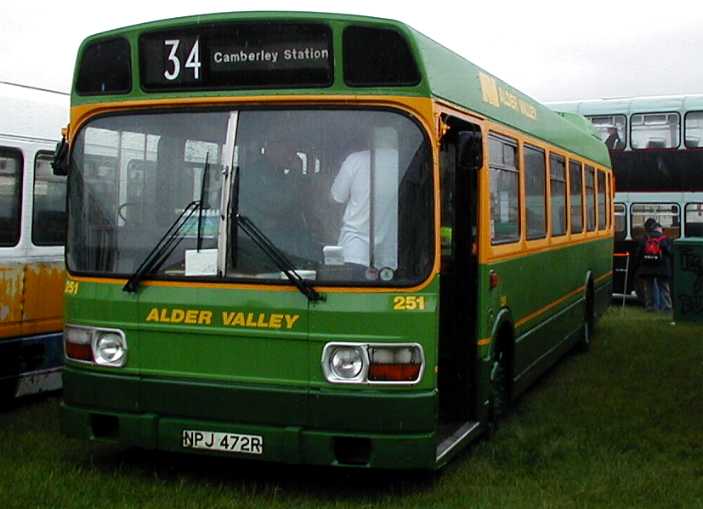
{"x":656,"y":146}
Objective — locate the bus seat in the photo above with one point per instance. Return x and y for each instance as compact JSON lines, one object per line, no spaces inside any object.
{"x":53,"y":226}
{"x":656,"y":143}
{"x":8,"y":232}
{"x":694,"y":230}
{"x":673,"y":232}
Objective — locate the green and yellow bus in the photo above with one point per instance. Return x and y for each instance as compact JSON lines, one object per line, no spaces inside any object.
{"x":317,"y":238}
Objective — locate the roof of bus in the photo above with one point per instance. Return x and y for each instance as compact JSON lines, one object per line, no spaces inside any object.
{"x":32,"y":113}
{"x":629,"y":105}
{"x":445,"y":75}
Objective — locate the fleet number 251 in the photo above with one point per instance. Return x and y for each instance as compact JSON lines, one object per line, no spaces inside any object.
{"x":408,"y":303}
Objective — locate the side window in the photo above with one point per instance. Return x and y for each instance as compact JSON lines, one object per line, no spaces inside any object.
{"x":612,"y":130}
{"x":620,"y":222}
{"x":602,"y":209}
{"x":576,"y":196}
{"x":10,"y":196}
{"x":504,"y":183}
{"x":557,"y":171}
{"x":694,"y":129}
{"x":694,"y":219}
{"x":49,"y":210}
{"x":535,"y":193}
{"x":655,"y":130}
{"x":666,"y":214}
{"x":590,"y":199}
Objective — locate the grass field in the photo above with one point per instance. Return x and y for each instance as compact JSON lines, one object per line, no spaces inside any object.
{"x":621,"y":426}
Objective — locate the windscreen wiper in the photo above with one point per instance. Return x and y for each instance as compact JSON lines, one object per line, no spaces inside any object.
{"x":163,"y":248}
{"x":277,"y":257}
{"x":204,"y":190}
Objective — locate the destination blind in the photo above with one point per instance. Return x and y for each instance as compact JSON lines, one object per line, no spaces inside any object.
{"x":237,"y":55}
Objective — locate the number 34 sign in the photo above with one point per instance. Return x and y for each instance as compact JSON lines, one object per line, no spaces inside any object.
{"x":173,"y":63}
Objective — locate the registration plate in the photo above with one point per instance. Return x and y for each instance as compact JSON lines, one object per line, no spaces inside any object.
{"x":228,"y":442}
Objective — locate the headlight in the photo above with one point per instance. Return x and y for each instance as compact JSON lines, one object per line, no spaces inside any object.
{"x":344,"y":363}
{"x":110,"y":349}
{"x":347,"y":362}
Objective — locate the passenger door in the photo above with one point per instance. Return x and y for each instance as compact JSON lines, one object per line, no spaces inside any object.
{"x":457,"y":342}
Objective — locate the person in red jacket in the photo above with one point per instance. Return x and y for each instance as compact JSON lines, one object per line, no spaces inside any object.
{"x":654,"y":254}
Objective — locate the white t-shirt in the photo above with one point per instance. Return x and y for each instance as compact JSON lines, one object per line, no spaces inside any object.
{"x":351,"y":186}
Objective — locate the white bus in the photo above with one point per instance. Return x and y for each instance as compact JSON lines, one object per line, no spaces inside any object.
{"x":32,"y":234}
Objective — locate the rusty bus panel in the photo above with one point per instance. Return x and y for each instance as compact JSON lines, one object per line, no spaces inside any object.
{"x":43,"y":298}
{"x":11,"y":299}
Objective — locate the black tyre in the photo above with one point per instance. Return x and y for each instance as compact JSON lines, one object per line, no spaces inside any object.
{"x":500,"y":390}
{"x":589,"y":321}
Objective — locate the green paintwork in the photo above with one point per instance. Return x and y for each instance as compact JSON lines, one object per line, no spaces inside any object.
{"x":253,"y":404}
{"x":262,"y":381}
{"x":560,"y":272}
{"x":290,"y":444}
{"x":445,"y":75}
{"x":196,"y":351}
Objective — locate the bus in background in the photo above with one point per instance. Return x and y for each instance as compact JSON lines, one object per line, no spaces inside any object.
{"x":32,"y":233}
{"x":656,"y":146}
{"x":281,"y":249}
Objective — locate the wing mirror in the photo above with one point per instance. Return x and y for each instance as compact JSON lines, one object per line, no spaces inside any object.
{"x":61,"y":161}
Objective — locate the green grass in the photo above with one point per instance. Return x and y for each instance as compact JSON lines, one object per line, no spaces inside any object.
{"x":621,"y":426}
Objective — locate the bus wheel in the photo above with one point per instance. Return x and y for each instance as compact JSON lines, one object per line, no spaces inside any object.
{"x":499,"y":387}
{"x":589,"y":320}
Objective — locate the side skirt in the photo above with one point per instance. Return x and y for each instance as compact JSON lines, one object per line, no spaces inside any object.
{"x":525,"y":378}
{"x":464,"y":434}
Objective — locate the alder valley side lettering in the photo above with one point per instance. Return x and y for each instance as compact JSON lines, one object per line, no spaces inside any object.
{"x":240,"y":319}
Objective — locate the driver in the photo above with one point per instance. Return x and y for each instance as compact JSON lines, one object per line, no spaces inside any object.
{"x":270,"y":194}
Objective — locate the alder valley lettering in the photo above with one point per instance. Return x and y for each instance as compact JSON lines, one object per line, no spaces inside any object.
{"x":249,"y":320}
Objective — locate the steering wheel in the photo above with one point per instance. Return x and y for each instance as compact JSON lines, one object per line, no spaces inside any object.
{"x":121,"y":208}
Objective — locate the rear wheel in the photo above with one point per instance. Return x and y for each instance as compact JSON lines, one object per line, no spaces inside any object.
{"x":500,"y":395}
{"x":589,"y":320}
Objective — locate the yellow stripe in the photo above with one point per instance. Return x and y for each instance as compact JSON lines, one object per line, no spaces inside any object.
{"x":514,"y":254}
{"x":258,"y":287}
{"x":549,"y":306}
{"x":605,"y":276}
{"x":489,"y":340}
{"x":560,"y":300}
{"x":421,"y":107}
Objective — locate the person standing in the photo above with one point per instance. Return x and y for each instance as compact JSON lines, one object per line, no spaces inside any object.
{"x":654,"y":255}
{"x":664,"y":281}
{"x":367,"y":183}
{"x":613,"y":141}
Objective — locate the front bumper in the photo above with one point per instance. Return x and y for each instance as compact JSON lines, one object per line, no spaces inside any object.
{"x":344,"y":428}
